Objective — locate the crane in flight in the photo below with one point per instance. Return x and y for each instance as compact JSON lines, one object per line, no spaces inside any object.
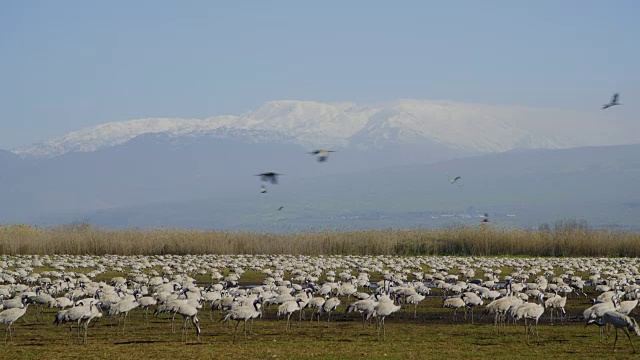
{"x":271,"y":177}
{"x":455,"y":180}
{"x":322,"y":154}
{"x":613,"y":102}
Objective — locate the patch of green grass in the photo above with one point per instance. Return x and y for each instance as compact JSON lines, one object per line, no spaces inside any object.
{"x":433,"y":335}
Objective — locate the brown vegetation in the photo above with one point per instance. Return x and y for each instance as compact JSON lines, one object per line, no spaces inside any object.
{"x":83,"y":239}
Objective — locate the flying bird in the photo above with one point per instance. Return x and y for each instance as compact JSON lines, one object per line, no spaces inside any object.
{"x":323,"y":155}
{"x":280,"y":208}
{"x":263,"y":189}
{"x":613,"y":102}
{"x":269,"y":177}
{"x":454,"y":181}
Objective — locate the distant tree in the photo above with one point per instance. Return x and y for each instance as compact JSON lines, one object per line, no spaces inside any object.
{"x":77,"y":226}
{"x":544,"y":227}
{"x":570,"y":224}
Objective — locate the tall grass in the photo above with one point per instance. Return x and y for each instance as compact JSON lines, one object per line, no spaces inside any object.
{"x":83,"y":239}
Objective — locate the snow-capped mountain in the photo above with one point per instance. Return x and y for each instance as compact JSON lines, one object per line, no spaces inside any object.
{"x":474,"y":128}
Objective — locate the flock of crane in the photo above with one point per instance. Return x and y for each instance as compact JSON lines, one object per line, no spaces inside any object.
{"x":506,"y":289}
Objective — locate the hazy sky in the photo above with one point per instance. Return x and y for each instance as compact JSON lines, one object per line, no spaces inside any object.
{"x":65,"y":65}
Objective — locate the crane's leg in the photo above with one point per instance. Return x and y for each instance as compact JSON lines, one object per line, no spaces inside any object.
{"x":630,"y":342}
{"x":503,"y":323}
{"x":615,"y":341}
{"x":235,"y":332}
{"x":384,"y":329}
{"x":245,"y":329}
{"x":415,"y":311}
{"x":124,"y":323}
{"x":79,"y":321}
{"x":472,"y":315}
{"x":6,"y":333}
{"x":183,"y":336}
{"x":86,"y":328}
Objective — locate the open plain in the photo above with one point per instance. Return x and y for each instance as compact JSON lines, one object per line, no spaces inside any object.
{"x":218,"y":285}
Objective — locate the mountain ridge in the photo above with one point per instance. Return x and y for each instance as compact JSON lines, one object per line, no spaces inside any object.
{"x":476,"y":128}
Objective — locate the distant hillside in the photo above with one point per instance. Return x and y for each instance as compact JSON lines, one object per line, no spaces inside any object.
{"x":597,"y":184}
{"x":159,"y":168}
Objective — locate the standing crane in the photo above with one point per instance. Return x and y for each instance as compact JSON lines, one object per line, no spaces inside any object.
{"x":327,"y":307}
{"x":189,"y":311}
{"x":243,"y":313}
{"x":385,"y":308}
{"x":8,"y":317}
{"x":619,"y":321}
{"x":288,"y":308}
{"x":556,"y":302}
{"x":530,"y":312}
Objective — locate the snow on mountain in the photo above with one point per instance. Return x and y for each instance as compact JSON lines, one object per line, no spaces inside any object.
{"x":119,"y":132}
{"x":470,"y":127}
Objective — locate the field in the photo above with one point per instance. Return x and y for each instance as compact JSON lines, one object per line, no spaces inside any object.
{"x":432,"y":335}
{"x":405,"y":339}
{"x":190,"y":259}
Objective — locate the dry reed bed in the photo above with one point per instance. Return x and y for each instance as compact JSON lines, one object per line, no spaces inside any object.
{"x":483,"y":241}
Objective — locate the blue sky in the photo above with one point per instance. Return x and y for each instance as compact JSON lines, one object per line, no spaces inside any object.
{"x":72,"y":64}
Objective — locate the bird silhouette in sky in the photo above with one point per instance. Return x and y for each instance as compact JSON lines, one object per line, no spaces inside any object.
{"x":613,"y":102}
{"x":271,"y":177}
{"x":322,"y":154}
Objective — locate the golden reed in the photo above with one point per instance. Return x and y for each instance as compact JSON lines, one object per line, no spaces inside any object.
{"x":476,"y":241}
